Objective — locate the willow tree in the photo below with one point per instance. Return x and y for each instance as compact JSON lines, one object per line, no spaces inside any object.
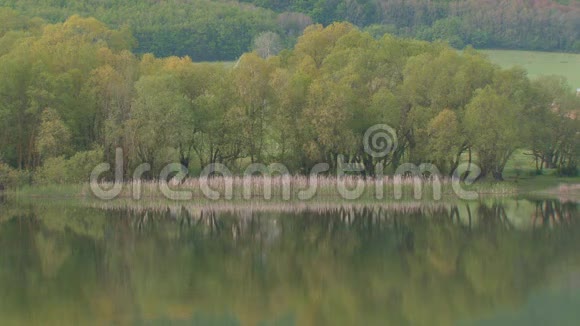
{"x":253,"y":91}
{"x":53,"y":137}
{"x":160,"y":119}
{"x":492,"y":122}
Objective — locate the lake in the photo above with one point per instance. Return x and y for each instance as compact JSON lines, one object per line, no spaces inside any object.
{"x":489,"y":262}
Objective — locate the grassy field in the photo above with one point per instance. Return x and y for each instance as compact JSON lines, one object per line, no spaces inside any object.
{"x":520,"y":171}
{"x":540,"y":63}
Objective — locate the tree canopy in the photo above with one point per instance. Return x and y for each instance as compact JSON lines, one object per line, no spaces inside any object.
{"x":211,"y":30}
{"x":76,"y":87}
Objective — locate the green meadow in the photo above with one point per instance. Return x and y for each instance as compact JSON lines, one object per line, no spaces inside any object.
{"x":540,"y":63}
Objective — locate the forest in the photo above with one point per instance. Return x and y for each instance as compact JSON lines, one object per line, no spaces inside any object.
{"x":298,"y":162}
{"x":215,"y":30}
{"x":73,"y":92}
{"x":520,"y":24}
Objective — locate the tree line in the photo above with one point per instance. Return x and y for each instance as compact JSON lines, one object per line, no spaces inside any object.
{"x":207,"y":30}
{"x":520,"y":24}
{"x":73,"y":92}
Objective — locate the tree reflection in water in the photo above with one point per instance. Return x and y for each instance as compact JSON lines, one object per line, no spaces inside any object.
{"x":340,"y":265}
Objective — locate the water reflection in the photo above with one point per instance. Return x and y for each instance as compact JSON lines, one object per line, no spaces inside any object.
{"x":404,"y":264}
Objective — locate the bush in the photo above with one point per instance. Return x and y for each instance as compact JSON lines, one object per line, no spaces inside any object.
{"x":81,"y":165}
{"x":479,"y":39}
{"x":13,"y":178}
{"x":53,"y":171}
{"x":4,"y":172}
{"x":76,"y":169}
{"x":568,"y":171}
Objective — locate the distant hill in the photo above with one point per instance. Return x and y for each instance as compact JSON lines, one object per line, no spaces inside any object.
{"x":507,"y":24}
{"x":222,"y":30}
{"x":202,"y":29}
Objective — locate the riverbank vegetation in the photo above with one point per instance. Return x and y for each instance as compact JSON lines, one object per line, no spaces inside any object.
{"x":281,"y":190}
{"x":72,"y":93}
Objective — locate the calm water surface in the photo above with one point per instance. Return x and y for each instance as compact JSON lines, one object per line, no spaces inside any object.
{"x":480,"y":263}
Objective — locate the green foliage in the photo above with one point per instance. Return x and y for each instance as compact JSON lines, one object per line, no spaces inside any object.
{"x":490,"y":120}
{"x":53,"y":171}
{"x":81,"y":164}
{"x":541,"y":25}
{"x":209,"y":30}
{"x":49,"y":70}
{"x":449,"y":30}
{"x":75,"y":170}
{"x":201,"y":29}
{"x":13,"y":178}
{"x":444,"y":144}
{"x":53,"y":137}
{"x":76,"y":85}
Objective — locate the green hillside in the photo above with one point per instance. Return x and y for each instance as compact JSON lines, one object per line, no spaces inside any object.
{"x":212,"y":30}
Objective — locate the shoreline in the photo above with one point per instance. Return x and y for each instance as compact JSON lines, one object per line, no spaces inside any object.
{"x":275,"y":189}
{"x":294,"y":189}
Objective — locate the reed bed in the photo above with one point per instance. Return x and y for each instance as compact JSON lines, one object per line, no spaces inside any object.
{"x":276,"y":188}
{"x":303,"y":188}
{"x":49,"y":191}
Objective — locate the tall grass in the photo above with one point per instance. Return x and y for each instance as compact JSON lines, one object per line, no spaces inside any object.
{"x":303,"y":188}
{"x":294,"y":188}
{"x":49,"y":191}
